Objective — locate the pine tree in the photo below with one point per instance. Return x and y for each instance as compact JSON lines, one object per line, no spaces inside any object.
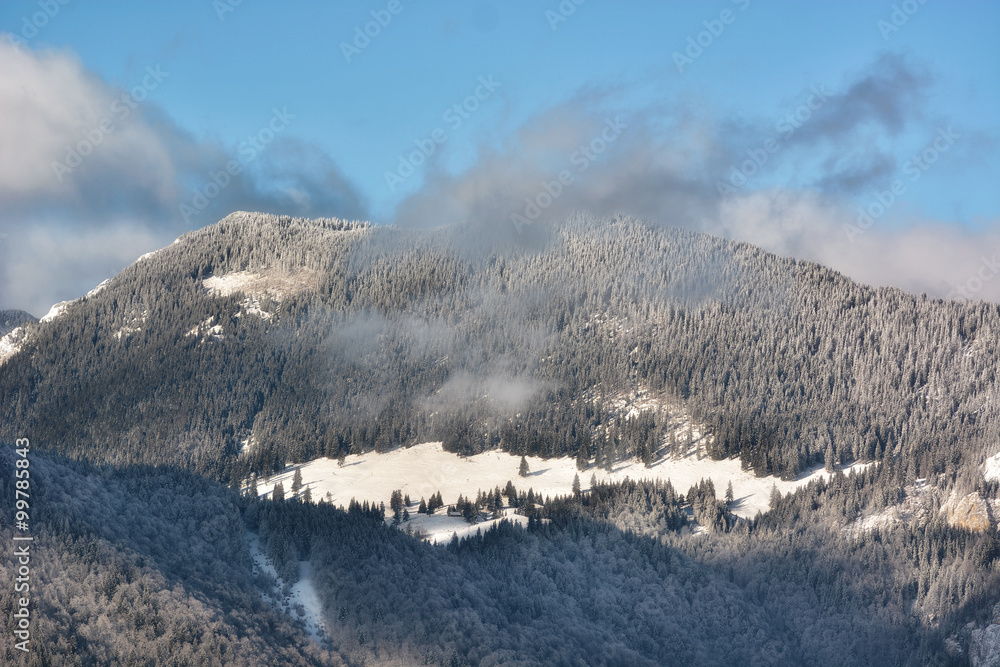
{"x":729,"y":494}
{"x":523,"y":470}
{"x":423,"y":507}
{"x":278,"y":493}
{"x":583,"y":456}
{"x":297,"y":481}
{"x":576,"y":485}
{"x":307,"y":495}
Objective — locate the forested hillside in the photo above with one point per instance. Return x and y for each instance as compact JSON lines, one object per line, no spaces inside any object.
{"x":151,"y":566}
{"x":263,"y":339}
{"x":610,"y":577}
{"x":288,"y":339}
{"x":138,"y":566}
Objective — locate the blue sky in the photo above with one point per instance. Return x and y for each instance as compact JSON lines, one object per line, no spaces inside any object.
{"x":885,"y":81}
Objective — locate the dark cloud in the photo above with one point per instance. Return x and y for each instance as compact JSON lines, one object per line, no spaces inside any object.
{"x":855,"y":173}
{"x":889,"y":95}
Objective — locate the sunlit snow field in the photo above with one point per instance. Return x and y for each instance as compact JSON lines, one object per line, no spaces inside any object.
{"x":422,"y":470}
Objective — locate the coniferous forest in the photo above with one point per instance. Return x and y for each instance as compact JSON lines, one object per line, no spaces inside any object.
{"x":265,"y":340}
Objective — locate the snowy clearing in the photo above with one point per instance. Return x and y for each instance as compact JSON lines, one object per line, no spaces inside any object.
{"x":424,"y":469}
{"x":256,"y":287}
{"x":274,"y":284}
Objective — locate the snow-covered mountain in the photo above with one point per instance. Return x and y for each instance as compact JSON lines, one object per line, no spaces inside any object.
{"x":858,"y":428}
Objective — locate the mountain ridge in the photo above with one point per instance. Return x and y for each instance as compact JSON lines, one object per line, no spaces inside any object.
{"x":458,"y":334}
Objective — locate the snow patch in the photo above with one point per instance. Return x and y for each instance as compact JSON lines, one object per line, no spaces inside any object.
{"x":57,"y":310}
{"x":302,"y":603}
{"x":11,"y":344}
{"x":207,"y":329}
{"x":100,"y":288}
{"x":60,"y":308}
{"x":438,"y":528}
{"x":251,"y":306}
{"x":125,"y":332}
{"x":991,"y":469}
{"x":133,"y":326}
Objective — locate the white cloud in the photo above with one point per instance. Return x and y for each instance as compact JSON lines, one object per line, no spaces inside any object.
{"x":928,"y":256}
{"x":51,"y":107}
{"x":44,"y":266}
{"x":89,"y":218}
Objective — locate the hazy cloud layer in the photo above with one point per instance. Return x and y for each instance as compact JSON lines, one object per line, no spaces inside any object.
{"x":504,"y":393}
{"x":103,"y":173}
{"x":664,"y":163}
{"x":666,"y":166}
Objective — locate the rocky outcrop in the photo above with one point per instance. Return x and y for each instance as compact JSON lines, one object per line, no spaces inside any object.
{"x":984,"y":647}
{"x":971,"y":512}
